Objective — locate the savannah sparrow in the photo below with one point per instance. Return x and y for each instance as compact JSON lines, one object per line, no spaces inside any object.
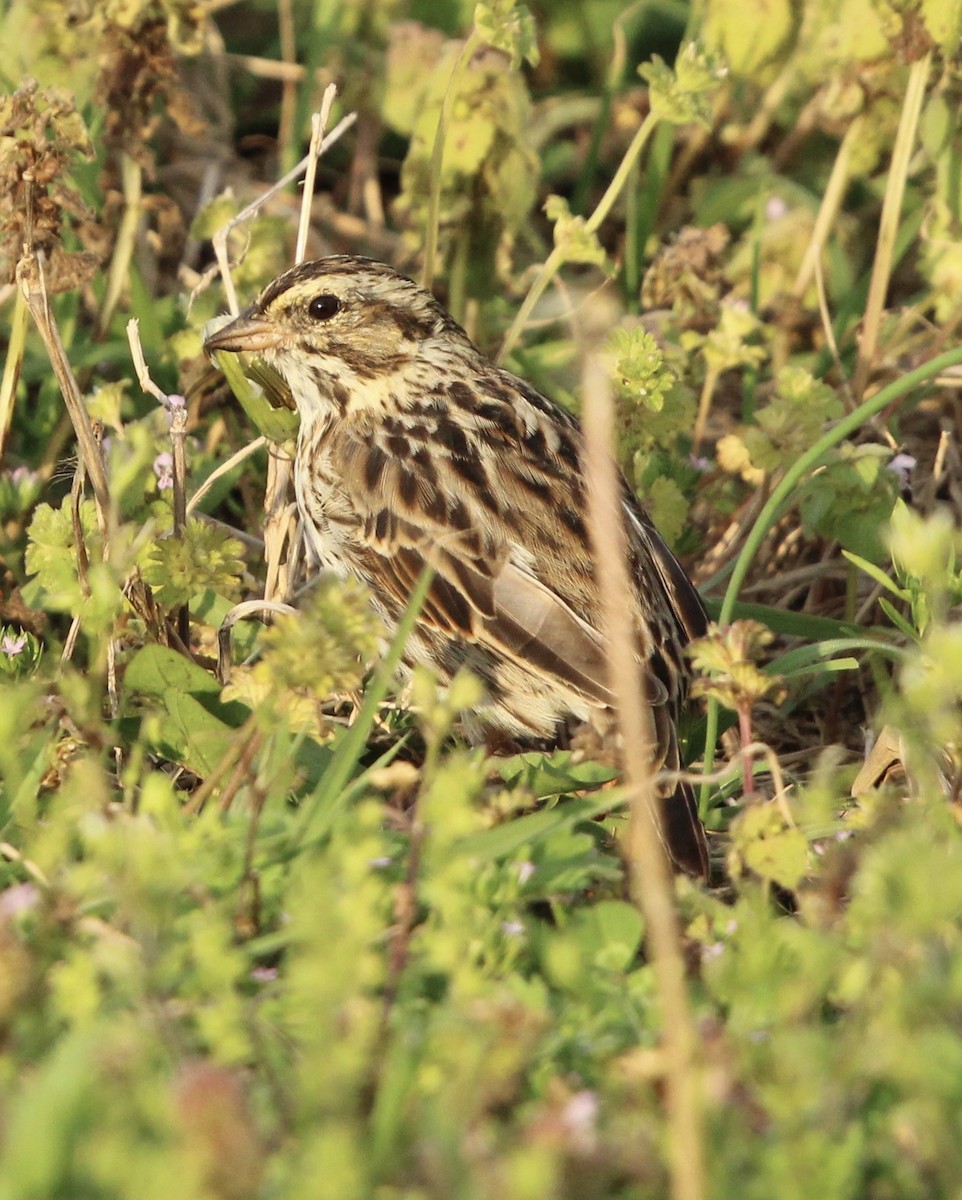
{"x":415,"y":449}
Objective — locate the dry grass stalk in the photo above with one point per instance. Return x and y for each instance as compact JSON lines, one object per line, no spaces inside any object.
{"x":890,"y":221}
{"x":178,"y":439}
{"x":651,"y":881}
{"x":34,"y":291}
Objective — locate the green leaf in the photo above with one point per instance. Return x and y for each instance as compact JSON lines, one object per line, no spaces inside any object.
{"x":667,"y":508}
{"x":190,"y":724}
{"x":686,"y":95}
{"x":609,"y":934}
{"x":804,"y":625}
{"x":552,"y":774}
{"x":875,"y":572}
{"x":749,"y":35}
{"x":804,"y":656}
{"x":534,"y":828}
{"x":508,"y":27}
{"x":157,"y":671}
{"x":898,"y":620}
{"x":253,"y":384}
{"x":52,"y":552}
{"x":764,"y":843}
{"x":191,"y":735}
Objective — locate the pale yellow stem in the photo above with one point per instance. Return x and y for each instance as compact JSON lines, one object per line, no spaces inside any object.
{"x":650,"y":876}
{"x":829,"y":208}
{"x":889,"y":223}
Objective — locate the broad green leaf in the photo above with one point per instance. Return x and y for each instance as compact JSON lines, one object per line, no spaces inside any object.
{"x":552,"y":774}
{"x":610,"y":934}
{"x":192,"y":726}
{"x":157,"y":671}
{"x":254,"y":385}
{"x":505,"y":839}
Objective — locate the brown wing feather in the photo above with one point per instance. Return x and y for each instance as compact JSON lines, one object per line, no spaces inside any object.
{"x":510,"y":612}
{"x":513,"y":569}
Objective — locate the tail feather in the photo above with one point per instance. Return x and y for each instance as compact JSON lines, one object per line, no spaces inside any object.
{"x":684,"y":833}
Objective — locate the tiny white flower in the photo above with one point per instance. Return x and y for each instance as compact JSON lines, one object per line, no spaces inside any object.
{"x":525,"y":871}
{"x":164,"y":470}
{"x":12,"y":646}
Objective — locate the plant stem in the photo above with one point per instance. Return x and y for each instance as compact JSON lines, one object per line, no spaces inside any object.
{"x":437,"y":156}
{"x":623,"y":174}
{"x":746,"y":739}
{"x":649,"y":873}
{"x":178,"y":438}
{"x":11,"y":368}
{"x":556,"y":259}
{"x":287,"y":121}
{"x":889,"y":223}
{"x":704,"y":407}
{"x":829,"y":208}
{"x":117,"y":276}
{"x":458,"y":278}
{"x":33,"y":288}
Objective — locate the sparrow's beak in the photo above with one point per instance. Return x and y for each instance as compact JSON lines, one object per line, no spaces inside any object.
{"x":246,"y":332}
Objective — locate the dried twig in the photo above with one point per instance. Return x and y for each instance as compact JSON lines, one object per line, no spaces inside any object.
{"x":11,"y":369}
{"x":278,"y":530}
{"x":177,"y":411}
{"x":227,"y":465}
{"x":125,"y":241}
{"x":268,"y":68}
{"x":219,"y":240}
{"x":33,"y":288}
{"x":288,"y":115}
{"x":240,"y":612}
{"x":830,"y":206}
{"x":318,"y":124}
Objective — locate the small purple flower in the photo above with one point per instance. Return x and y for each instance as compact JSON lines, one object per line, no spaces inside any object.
{"x":580,"y":1114}
{"x":12,"y":646}
{"x":775,"y":207}
{"x":164,"y":470}
{"x":21,"y":475}
{"x":19,"y":898}
{"x":512,"y":928}
{"x":525,"y":871}
{"x":264,"y":974}
{"x":175,"y":408}
{"x":902,"y":465}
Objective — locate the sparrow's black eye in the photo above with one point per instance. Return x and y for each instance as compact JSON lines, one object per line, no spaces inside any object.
{"x":322,"y":308}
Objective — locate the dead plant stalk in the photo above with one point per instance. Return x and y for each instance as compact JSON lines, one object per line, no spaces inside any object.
{"x":280,"y":467}
{"x":649,"y":873}
{"x":889,"y":222}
